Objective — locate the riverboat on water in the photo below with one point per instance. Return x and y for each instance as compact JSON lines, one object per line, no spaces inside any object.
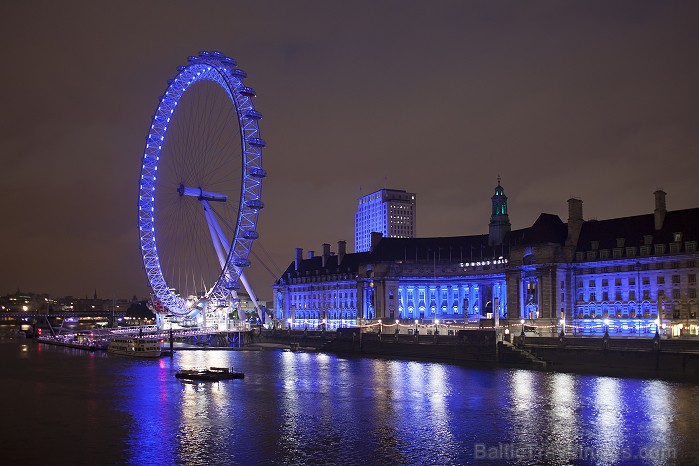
{"x":136,"y":347}
{"x":212,"y":374}
{"x":77,"y":341}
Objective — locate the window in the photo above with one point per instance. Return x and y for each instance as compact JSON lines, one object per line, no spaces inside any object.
{"x":591,"y":284}
{"x":646,"y":294}
{"x":645,"y":250}
{"x":592,"y":296}
{"x":659,"y":249}
{"x":677,"y":237}
{"x":660,"y":280}
{"x":605,"y":296}
{"x":675,"y":294}
{"x":676,"y":279}
{"x":630,"y":252}
{"x":646,"y":280}
{"x":580,"y":283}
{"x":616,"y":253}
{"x":692,"y":278}
{"x":617,"y":282}
{"x":632,"y":295}
{"x":617,"y":296}
{"x":632,"y":281}
{"x":620,"y":242}
{"x":692,"y":292}
{"x":605,"y":282}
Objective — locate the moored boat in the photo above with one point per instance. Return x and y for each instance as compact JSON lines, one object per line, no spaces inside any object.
{"x":136,"y":347}
{"x":76,"y":341}
{"x":213,"y":374}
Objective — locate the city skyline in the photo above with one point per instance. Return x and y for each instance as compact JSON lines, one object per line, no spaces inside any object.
{"x":592,"y":100}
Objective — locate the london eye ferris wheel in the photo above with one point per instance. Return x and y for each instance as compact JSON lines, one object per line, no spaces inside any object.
{"x":200,"y":187}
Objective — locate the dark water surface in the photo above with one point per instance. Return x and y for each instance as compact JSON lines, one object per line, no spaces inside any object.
{"x":65,"y":406}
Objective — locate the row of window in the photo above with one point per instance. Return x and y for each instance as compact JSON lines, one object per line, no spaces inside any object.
{"x":631,"y":251}
{"x":618,"y":296}
{"x":642,"y":267}
{"x":660,"y":280}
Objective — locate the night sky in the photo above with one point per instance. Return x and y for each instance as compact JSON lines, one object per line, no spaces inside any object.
{"x":593,"y":99}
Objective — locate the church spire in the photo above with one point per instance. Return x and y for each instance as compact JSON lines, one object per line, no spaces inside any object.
{"x":499,"y":220}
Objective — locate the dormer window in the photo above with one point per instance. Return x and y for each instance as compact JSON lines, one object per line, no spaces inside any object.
{"x":595,"y":245}
{"x":677,"y":237}
{"x":620,"y":242}
{"x":648,"y":239}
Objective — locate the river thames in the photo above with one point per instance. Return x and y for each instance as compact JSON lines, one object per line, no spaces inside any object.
{"x":67,"y":406}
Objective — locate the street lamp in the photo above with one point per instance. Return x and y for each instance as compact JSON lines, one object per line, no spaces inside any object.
{"x":522,"y":322}
{"x":380,"y":327}
{"x":415,"y":326}
{"x":563,"y":326}
{"x":436,"y":324}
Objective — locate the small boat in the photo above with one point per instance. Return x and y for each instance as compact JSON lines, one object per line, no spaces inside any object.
{"x":213,"y":374}
{"x":135,"y":347}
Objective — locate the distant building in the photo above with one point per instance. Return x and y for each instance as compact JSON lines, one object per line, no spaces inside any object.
{"x":390,"y":212}
{"x":626,"y":276}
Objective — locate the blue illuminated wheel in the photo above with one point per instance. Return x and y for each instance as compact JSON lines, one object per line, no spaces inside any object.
{"x":200,"y":187}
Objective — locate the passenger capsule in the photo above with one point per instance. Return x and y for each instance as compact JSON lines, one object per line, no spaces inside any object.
{"x":252,"y":115}
{"x":255,"y":204}
{"x":257,"y":142}
{"x":258,"y":172}
{"x":248,"y":91}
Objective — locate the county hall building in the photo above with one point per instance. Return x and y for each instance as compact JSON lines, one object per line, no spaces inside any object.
{"x":625,"y":276}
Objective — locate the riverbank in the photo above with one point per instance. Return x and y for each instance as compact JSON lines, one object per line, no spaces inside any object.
{"x":622,"y":356}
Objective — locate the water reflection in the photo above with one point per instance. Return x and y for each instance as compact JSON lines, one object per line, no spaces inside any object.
{"x":311,"y":408}
{"x":607,"y":427}
{"x":562,"y":419}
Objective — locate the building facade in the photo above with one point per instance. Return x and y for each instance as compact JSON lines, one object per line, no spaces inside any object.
{"x":390,"y":212}
{"x":624,"y":276}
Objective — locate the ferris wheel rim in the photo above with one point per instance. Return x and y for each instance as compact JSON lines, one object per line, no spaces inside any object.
{"x":215,"y":67}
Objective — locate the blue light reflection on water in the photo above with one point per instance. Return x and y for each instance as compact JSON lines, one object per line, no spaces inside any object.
{"x":304,"y":408}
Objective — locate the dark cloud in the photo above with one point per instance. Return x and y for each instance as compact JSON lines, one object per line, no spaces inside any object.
{"x":593,"y":99}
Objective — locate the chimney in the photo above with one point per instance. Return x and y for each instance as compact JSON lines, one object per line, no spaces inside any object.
{"x":311,"y":254}
{"x":326,"y":254}
{"x":299,"y":258}
{"x":660,"y":210}
{"x":575,"y":221}
{"x":375,"y":238}
{"x":341,"y":251}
